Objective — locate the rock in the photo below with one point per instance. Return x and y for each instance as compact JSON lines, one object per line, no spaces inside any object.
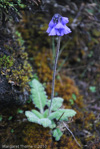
{"x":9,"y":96}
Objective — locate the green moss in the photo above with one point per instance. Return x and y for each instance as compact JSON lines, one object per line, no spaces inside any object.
{"x":16,"y":68}
{"x":6,"y":61}
{"x":21,"y":75}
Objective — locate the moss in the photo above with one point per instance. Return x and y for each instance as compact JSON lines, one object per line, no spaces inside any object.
{"x":6,"y":61}
{"x":90,"y":136}
{"x":95,"y":145}
{"x":21,"y":75}
{"x":89,"y":117}
{"x":20,"y":71}
{"x":68,"y":143}
{"x":97,"y":123}
{"x":36,"y":135}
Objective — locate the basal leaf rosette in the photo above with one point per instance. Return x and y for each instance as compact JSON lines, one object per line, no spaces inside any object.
{"x":63,"y":113}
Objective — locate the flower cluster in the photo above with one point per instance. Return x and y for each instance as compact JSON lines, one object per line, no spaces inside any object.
{"x":57,"y":26}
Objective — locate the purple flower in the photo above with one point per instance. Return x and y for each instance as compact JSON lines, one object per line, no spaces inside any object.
{"x":57,"y":26}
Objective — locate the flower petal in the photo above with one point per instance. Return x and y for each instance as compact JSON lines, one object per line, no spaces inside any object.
{"x":64,"y":20}
{"x":49,"y":30}
{"x":53,"y":32}
{"x":67,"y":30}
{"x":62,"y":32}
{"x":51,"y":24}
{"x":59,"y":26}
{"x":58,"y":33}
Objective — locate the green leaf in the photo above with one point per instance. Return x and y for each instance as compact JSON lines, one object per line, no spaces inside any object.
{"x":45,"y":122}
{"x":39,"y":97}
{"x":12,"y":130}
{"x":35,"y":74}
{"x":67,"y":113}
{"x":0,"y":117}
{"x":32,"y":117}
{"x":57,"y":134}
{"x":38,"y":114}
{"x":56,"y":104}
{"x":22,"y":5}
{"x":74,"y":96}
{"x":20,"y":111}
{"x":53,"y":125}
{"x":11,"y":4}
{"x":10,"y":118}
{"x":71,"y":101}
{"x":45,"y":114}
{"x":90,"y":54}
{"x":92,"y":89}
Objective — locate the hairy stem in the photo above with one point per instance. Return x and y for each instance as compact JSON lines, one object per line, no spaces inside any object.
{"x":54,"y":72}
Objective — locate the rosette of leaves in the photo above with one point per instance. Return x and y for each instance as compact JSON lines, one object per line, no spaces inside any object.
{"x":42,"y":116}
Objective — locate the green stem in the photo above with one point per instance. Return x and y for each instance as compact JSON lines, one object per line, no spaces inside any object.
{"x":54,"y":73}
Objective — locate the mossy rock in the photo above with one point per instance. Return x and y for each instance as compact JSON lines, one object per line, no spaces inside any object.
{"x":15,"y":71}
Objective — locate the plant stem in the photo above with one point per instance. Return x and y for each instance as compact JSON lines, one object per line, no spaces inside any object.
{"x":54,"y":73}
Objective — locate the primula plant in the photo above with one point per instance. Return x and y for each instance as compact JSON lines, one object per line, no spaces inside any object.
{"x":49,"y":112}
{"x":42,"y":116}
